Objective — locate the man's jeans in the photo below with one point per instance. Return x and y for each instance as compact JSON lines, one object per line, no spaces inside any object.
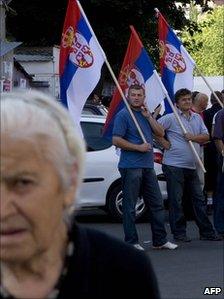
{"x":177,"y":178}
{"x":135,"y":180}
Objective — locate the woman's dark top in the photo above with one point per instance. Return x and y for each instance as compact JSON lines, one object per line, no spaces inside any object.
{"x":105,"y":267}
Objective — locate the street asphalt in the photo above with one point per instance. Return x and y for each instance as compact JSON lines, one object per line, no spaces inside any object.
{"x":184,"y":273}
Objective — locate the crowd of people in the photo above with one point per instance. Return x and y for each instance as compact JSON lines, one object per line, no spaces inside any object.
{"x":180,"y":167}
{"x":44,"y":253}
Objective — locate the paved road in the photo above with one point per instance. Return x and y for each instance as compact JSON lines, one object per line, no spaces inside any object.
{"x":183,"y":273}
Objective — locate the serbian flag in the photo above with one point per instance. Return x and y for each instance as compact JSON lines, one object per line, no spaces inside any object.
{"x":176,"y":65}
{"x":81,"y":60}
{"x":138,"y":69}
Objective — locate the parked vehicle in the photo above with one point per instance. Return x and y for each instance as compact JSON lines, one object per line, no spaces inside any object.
{"x":102,"y":184}
{"x":92,"y":109}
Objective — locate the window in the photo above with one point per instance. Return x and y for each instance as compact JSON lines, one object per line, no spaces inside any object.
{"x":93,"y":136}
{"x":88,"y":111}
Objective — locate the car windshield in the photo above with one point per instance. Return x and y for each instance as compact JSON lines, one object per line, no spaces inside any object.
{"x":92,"y":132}
{"x":90,"y":109}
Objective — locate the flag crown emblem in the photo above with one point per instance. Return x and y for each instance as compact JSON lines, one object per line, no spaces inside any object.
{"x":130,"y":75}
{"x":80,"y":52}
{"x":172,"y":58}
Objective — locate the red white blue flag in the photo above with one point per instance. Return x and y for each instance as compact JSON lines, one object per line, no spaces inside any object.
{"x":176,"y":65}
{"x":137,"y":68}
{"x":81,"y":60}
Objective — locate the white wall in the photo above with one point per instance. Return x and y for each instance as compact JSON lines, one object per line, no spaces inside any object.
{"x":46,"y":71}
{"x":216,"y":83}
{"x":37,"y":67}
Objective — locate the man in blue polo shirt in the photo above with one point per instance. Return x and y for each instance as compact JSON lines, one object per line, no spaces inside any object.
{"x":179,"y":167}
{"x":136,"y":168}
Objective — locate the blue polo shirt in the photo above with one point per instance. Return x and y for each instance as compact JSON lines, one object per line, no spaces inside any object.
{"x":180,"y":154}
{"x":125,"y":127}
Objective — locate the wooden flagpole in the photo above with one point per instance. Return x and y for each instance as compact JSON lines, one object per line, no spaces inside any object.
{"x":113,"y":75}
{"x":177,"y":115}
{"x":212,"y":91}
{"x":180,"y":122}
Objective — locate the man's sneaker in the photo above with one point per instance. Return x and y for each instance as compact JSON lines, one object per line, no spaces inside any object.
{"x":182,"y":239}
{"x":139,"y":247}
{"x":211,"y":238}
{"x":167,"y":245}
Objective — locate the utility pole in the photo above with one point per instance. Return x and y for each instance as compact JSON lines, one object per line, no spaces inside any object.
{"x":2,"y":38}
{"x":6,"y":52}
{"x":2,"y":20}
{"x":3,"y":7}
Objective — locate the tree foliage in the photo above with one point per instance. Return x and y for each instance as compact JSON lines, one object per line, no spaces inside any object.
{"x":40,"y":23}
{"x":205,"y":41}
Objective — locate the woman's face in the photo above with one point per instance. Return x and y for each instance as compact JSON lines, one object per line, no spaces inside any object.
{"x":203,"y":102}
{"x":32,"y":200}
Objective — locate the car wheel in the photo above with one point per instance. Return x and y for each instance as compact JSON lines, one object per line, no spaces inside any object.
{"x":114,"y":204}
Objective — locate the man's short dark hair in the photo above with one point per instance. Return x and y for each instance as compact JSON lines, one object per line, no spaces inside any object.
{"x":181,"y":92}
{"x":137,"y":87}
{"x":213,"y":99}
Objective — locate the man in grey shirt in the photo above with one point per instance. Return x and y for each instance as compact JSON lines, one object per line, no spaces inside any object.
{"x":179,"y":167}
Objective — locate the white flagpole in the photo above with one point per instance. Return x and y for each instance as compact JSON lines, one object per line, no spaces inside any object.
{"x":179,"y":120}
{"x":112,"y":74}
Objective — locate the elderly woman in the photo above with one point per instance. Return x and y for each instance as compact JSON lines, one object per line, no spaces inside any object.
{"x":43,"y":253}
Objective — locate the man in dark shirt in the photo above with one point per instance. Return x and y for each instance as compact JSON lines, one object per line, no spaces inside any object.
{"x":218,"y":135}
{"x":210,"y":151}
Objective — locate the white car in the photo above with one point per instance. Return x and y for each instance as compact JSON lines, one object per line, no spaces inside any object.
{"x":91,"y":110}
{"x":102,"y":184}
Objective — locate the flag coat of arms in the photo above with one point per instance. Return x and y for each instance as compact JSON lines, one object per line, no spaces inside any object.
{"x":176,"y":65}
{"x":81,"y":60}
{"x":138,"y":69}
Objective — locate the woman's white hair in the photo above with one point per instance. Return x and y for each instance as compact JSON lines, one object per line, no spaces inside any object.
{"x":200,"y":95}
{"x":36,"y":116}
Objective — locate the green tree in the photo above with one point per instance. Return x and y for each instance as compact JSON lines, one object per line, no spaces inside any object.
{"x":205,"y":41}
{"x":40,"y":23}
